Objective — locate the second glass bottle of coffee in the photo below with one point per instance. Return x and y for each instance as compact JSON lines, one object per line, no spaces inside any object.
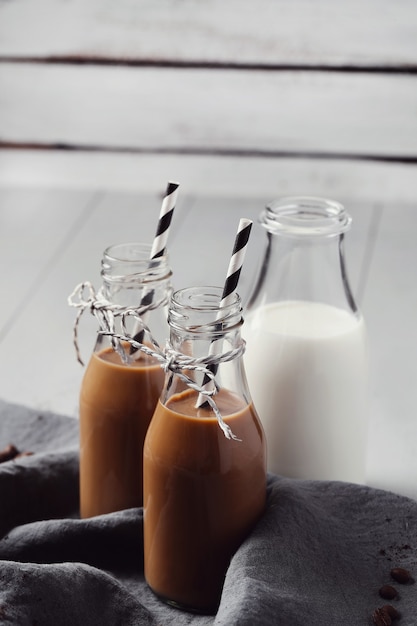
{"x":204,"y":486}
{"x":119,"y":391}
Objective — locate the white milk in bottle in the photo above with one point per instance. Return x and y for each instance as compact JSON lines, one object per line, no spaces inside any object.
{"x":310,"y":390}
{"x":306,"y":354}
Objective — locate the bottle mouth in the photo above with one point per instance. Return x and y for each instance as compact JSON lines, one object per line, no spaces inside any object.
{"x":197,"y":310}
{"x":131,"y":262}
{"x":305,"y":216}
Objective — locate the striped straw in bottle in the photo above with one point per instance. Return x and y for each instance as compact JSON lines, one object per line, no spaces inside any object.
{"x":230,"y":286}
{"x":164,"y":222}
{"x":159,"y":244}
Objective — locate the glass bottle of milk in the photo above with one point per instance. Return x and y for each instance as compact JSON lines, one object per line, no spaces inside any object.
{"x":306,"y":356}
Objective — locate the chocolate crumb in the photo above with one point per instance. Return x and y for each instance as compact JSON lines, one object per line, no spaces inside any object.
{"x":22,"y":454}
{"x":380,"y":617}
{"x":388,"y":592}
{"x":401,"y":575}
{"x":8,"y":453}
{"x":392,"y":611}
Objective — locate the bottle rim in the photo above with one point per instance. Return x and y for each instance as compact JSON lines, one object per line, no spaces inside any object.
{"x":128,"y":262}
{"x":197,"y":310}
{"x":305,"y":216}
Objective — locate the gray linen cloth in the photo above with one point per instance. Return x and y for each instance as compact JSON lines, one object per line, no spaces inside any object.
{"x":318,"y":556}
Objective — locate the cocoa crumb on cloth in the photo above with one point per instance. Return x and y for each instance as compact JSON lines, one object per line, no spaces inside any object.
{"x":11,"y":453}
{"x":401,"y":575}
{"x":385,"y":615}
{"x":395,"y":552}
{"x":392,"y":611}
{"x":388,"y":592}
{"x":380,"y":617}
{"x":8,"y":453}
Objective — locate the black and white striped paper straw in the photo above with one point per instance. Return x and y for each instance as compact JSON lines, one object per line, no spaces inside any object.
{"x":230,"y":286}
{"x":160,"y":241}
{"x":164,"y":222}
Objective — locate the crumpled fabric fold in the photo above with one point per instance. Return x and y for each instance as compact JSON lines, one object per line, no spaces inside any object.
{"x":318,"y":556}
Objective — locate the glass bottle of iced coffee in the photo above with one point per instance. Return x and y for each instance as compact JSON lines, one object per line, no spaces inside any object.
{"x":204,"y":455}
{"x":120,"y":387}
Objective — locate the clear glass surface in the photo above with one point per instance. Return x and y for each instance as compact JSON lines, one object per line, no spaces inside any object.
{"x":307,"y":353}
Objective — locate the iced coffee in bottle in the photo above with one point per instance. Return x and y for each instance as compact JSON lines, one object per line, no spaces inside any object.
{"x":120,"y":389}
{"x":204,"y":466}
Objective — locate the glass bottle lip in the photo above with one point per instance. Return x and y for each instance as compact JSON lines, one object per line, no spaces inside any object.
{"x":197,"y":310}
{"x":131,"y":262}
{"x":305,"y":216}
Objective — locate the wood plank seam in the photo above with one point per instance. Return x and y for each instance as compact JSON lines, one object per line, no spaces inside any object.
{"x":218,"y":152}
{"x":75,"y":59}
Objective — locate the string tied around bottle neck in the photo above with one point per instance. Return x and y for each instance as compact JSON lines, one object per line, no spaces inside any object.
{"x":176,"y":363}
{"x":85,"y":297}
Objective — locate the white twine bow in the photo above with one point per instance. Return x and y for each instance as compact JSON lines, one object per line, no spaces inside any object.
{"x":105,"y":312}
{"x":177,"y":363}
{"x":169,"y":359}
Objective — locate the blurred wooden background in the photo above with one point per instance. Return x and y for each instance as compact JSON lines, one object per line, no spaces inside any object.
{"x":229,"y":96}
{"x":241,"y":102}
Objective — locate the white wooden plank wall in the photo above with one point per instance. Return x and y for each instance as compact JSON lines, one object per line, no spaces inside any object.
{"x":364,"y":33}
{"x":241,"y":102}
{"x":328,"y":85}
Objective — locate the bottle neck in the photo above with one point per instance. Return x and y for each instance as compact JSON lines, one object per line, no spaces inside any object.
{"x":129,"y":274}
{"x":132,"y":280}
{"x":304,"y":257}
{"x":197,"y":320}
{"x":210,"y":335}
